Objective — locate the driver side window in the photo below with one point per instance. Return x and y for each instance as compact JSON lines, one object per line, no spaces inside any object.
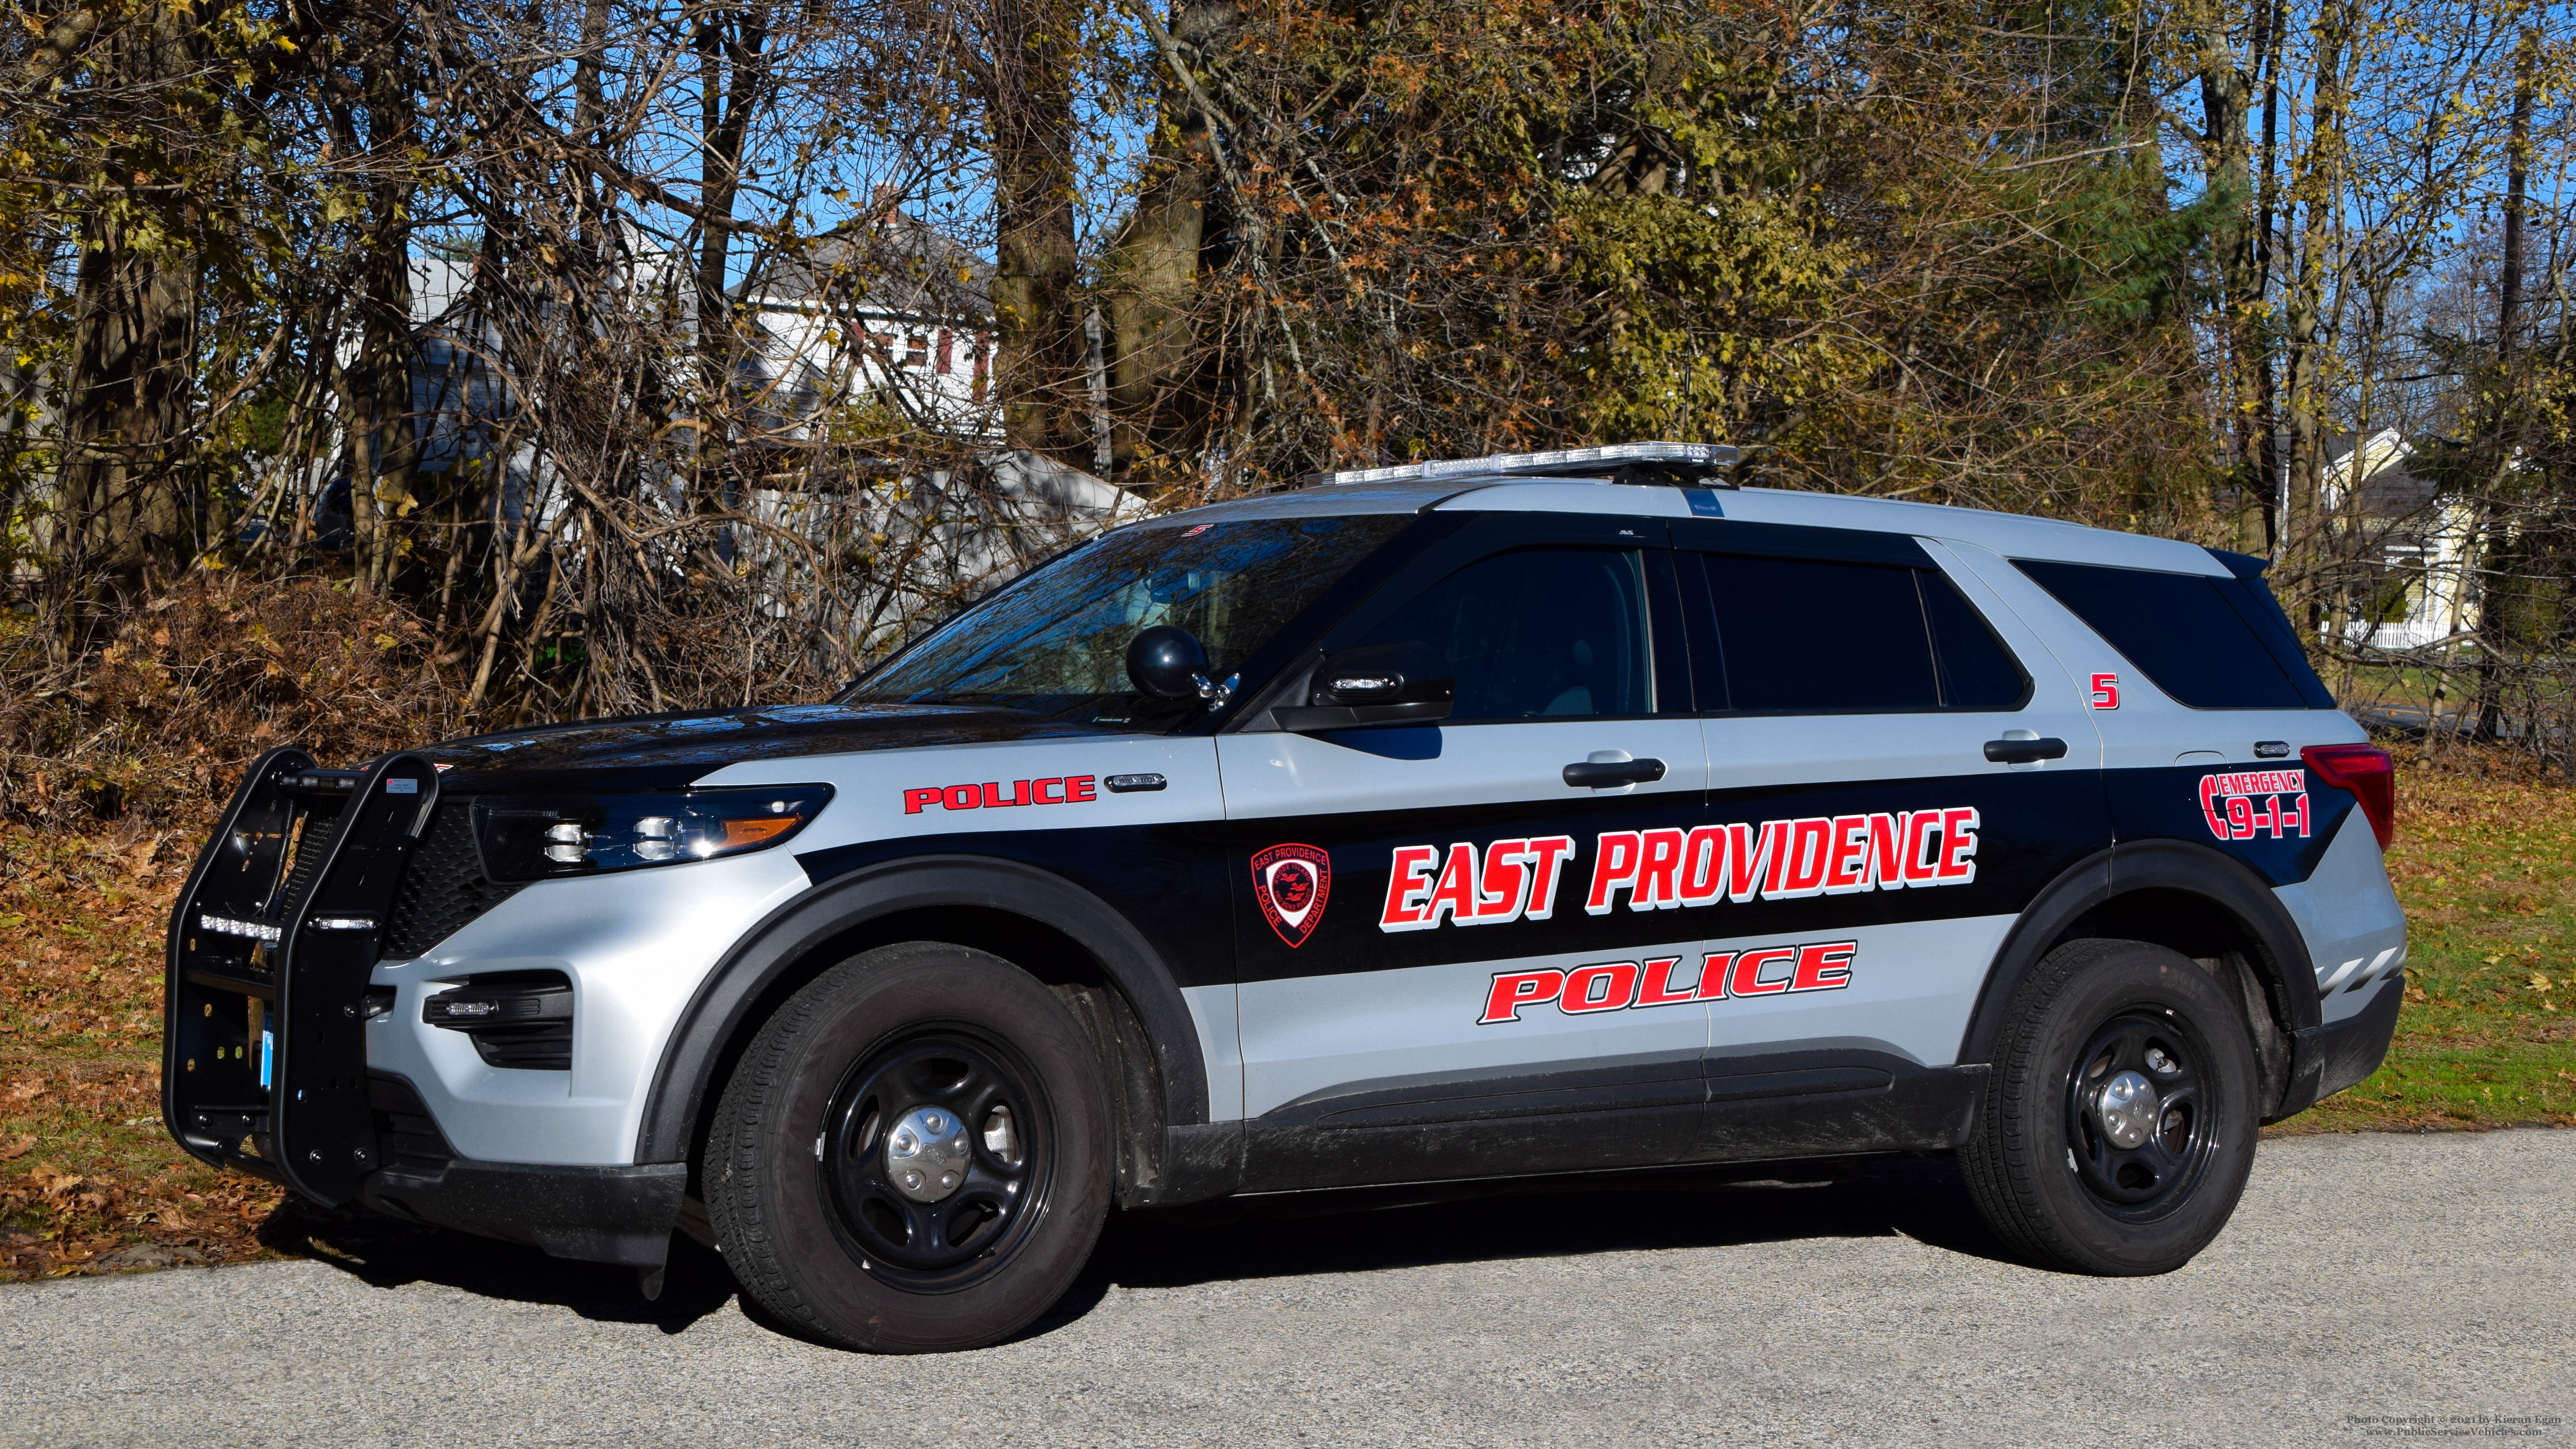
{"x":1547,"y":633}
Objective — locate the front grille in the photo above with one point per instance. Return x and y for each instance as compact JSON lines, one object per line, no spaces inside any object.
{"x":444,"y":889}
{"x":405,"y":1133}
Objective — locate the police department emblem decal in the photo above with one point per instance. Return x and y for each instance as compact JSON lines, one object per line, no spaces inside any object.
{"x":1292,"y":882}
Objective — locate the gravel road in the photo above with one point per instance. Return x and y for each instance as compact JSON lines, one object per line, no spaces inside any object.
{"x":2379,"y":1289}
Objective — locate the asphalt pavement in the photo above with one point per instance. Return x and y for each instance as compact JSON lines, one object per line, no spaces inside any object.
{"x":2372,"y":1290}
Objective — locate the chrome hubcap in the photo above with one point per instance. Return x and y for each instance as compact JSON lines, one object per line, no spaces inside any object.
{"x":2127,"y":1107}
{"x":925,"y":1154}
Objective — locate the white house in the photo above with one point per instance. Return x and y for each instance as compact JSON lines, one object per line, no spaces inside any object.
{"x":897,"y":313}
{"x":2418,"y":542}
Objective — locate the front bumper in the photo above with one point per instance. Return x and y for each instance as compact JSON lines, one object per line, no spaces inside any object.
{"x":294,"y":1052}
{"x":613,"y":1214}
{"x":635,"y":948}
{"x":597,"y":1214}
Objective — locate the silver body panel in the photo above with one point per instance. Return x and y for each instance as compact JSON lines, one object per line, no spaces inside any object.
{"x":2355,"y":930}
{"x":636,"y":946}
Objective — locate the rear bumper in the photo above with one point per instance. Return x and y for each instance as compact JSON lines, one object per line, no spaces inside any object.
{"x":2326,"y":1059}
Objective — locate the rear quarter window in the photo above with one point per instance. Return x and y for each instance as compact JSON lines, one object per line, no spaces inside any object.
{"x":2209,"y":643}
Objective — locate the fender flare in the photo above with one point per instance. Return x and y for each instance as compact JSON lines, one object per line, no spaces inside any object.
{"x":722,"y":1006}
{"x":2282,"y":963}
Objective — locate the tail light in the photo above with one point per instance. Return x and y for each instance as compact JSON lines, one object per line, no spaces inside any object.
{"x":2368,"y":773}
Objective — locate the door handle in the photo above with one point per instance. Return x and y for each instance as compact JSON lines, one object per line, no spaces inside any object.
{"x":2023,"y":752}
{"x":1602,"y":774}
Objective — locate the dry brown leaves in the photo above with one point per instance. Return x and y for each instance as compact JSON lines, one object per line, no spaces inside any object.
{"x":89,"y":1180}
{"x":160,"y":721}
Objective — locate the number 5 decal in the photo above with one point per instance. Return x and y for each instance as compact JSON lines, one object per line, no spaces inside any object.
{"x":2106,"y":691}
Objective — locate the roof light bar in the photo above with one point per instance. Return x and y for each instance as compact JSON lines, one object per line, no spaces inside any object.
{"x":1701,"y":464}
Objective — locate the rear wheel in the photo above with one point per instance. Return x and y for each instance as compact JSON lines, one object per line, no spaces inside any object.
{"x":2119,"y":1120}
{"x":913,"y":1155}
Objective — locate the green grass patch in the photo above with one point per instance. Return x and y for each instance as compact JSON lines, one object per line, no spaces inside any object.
{"x":2486,"y":869}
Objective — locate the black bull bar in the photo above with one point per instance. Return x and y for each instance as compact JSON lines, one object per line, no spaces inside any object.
{"x":264,"y":1053}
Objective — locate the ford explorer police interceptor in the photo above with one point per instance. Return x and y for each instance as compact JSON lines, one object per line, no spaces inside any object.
{"x":1537,"y":814}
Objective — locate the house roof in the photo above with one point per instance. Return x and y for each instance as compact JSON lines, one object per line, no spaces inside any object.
{"x":900,"y":265}
{"x":2389,"y":489}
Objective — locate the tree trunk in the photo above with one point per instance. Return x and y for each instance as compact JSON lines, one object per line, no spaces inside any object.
{"x":128,"y":391}
{"x":1040,"y":369}
{"x":376,"y":389}
{"x":2497,"y":615}
{"x":2266,"y":422}
{"x":2315,"y":190}
{"x":2226,"y":148}
{"x":1151,"y":271}
{"x":732,"y":72}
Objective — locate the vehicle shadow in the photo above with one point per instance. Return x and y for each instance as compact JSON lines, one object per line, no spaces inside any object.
{"x":1341,"y":1232}
{"x":1310,"y":1233}
{"x":385,"y":1252}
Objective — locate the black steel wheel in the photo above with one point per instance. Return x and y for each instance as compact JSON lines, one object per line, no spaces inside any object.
{"x":2134,"y":1125}
{"x":913,"y":1155}
{"x":2118,"y":1123}
{"x":936,"y":1152}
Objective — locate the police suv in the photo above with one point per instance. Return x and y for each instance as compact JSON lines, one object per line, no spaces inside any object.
{"x":1536,"y":814}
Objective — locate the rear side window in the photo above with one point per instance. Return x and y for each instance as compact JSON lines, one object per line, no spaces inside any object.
{"x":2201,"y":639}
{"x":1816,"y":636}
{"x":1540,"y":634}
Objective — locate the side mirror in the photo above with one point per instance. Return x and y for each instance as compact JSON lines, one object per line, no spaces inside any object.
{"x":1375,"y":684}
{"x":1168,"y":662}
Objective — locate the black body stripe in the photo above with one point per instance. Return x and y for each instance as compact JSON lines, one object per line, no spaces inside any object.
{"x":1182,"y":884}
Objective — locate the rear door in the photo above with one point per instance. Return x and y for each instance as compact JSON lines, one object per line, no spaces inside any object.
{"x":1896,"y":768}
{"x":1427,"y":987}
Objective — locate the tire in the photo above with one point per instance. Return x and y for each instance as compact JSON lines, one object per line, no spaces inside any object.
{"x":862,"y":1186}
{"x":2068,"y":1168}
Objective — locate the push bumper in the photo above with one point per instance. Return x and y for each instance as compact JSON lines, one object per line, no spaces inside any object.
{"x":2326,"y":1059}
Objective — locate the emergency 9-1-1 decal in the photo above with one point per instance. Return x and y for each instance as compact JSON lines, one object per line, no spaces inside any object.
{"x":1606,"y":986}
{"x":2227,"y":803}
{"x":1516,"y":880}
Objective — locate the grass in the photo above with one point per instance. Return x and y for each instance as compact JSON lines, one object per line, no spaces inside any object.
{"x":2487,"y":872}
{"x":90,"y":1182}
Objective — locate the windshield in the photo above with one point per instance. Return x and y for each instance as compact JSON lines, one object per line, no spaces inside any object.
{"x":1055,"y":641}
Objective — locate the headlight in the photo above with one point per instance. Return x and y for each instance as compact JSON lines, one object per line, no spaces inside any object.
{"x":532,"y":837}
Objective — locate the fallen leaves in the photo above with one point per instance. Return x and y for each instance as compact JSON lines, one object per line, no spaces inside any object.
{"x":81,"y":919}
{"x":52,"y":1181}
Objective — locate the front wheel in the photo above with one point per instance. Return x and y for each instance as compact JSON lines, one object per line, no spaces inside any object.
{"x":913,"y":1155}
{"x":2118,"y":1125}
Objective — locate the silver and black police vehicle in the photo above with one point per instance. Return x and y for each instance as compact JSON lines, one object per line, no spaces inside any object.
{"x":1538,"y":814}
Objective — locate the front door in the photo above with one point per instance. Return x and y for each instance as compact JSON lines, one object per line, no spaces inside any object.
{"x":1428,"y":986}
